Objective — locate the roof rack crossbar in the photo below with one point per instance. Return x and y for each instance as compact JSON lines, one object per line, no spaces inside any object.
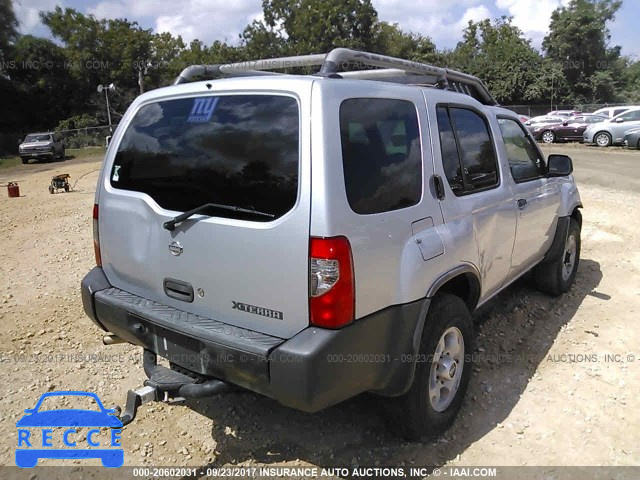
{"x":333,"y":62}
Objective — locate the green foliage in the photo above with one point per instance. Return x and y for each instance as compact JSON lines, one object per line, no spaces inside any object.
{"x":391,"y":40}
{"x":310,"y":26}
{"x":498,"y":53}
{"x":578,"y":40}
{"x":76,"y":137}
{"x":9,"y":30}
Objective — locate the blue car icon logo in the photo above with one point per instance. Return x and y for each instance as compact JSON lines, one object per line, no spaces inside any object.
{"x":30,"y":449}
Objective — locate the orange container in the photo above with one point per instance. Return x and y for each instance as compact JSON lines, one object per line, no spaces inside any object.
{"x":13,"y":189}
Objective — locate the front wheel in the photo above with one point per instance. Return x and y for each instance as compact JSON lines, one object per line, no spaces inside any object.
{"x":25,"y":161}
{"x":556,"y":276}
{"x":602,"y":139}
{"x":548,"y":137}
{"x":442,"y":373}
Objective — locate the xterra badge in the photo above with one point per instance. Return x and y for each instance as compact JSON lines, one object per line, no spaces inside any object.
{"x":265,"y":312}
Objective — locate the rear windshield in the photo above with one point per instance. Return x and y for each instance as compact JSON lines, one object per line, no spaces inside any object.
{"x":239,"y":150}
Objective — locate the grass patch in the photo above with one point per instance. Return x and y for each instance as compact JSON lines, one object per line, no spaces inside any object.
{"x":11,"y":161}
{"x":14,"y":160}
{"x":85,"y":152}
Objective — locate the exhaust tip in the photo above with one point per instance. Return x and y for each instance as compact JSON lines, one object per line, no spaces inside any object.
{"x":111,"y":339}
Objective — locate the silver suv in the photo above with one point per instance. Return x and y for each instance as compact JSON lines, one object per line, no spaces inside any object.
{"x":313,"y":237}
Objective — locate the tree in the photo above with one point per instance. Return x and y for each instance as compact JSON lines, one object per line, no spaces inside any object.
{"x":309,"y":26}
{"x":498,"y":54}
{"x":9,"y":30}
{"x":391,"y":40}
{"x":578,"y":40}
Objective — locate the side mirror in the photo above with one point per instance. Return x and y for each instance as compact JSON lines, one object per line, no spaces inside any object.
{"x":559,"y":165}
{"x":619,"y":120}
{"x":565,"y":123}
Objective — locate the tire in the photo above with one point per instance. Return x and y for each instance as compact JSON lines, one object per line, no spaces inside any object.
{"x":416,"y":415}
{"x":556,"y":276}
{"x":602,"y":139}
{"x":25,"y":160}
{"x":548,"y":136}
{"x":51,"y":189}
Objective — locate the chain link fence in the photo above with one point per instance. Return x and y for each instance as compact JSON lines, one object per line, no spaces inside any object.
{"x":535,"y":110}
{"x":86,"y":137}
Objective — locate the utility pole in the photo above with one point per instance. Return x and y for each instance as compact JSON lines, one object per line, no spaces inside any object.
{"x":106,"y":89}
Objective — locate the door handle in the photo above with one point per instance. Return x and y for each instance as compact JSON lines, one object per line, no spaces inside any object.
{"x":522,"y":202}
{"x":438,"y":187}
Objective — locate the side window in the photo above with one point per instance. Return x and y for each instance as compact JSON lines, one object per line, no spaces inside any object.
{"x":449,"y":149}
{"x":477,"y":154}
{"x":525,"y":161}
{"x":381,"y":154}
{"x":631,"y":116}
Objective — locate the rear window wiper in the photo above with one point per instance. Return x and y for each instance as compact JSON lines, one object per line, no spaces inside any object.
{"x":171,"y":224}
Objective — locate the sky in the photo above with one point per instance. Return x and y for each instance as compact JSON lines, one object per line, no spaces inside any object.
{"x":442,"y":20}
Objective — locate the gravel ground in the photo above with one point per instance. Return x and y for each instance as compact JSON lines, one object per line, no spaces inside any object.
{"x":543,"y":392}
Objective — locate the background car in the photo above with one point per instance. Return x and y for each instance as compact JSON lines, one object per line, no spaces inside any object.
{"x":632,"y":138}
{"x":611,"y":112}
{"x":571,"y":129}
{"x":544,"y":119}
{"x":46,"y":146}
{"x":612,"y":131}
{"x":564,"y":113}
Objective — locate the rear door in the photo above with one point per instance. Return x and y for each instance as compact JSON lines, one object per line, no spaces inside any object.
{"x":247,"y":150}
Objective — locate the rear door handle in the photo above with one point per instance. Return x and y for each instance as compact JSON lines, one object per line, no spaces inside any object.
{"x":178,"y":289}
{"x":438,"y":187}
{"x":522,"y":202}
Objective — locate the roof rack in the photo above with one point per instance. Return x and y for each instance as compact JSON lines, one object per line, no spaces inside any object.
{"x":388,"y":69}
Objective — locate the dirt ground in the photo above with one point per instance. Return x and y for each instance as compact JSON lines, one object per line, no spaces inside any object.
{"x":556,"y":383}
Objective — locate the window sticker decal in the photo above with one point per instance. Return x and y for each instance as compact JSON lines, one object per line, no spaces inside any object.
{"x":202,"y":109}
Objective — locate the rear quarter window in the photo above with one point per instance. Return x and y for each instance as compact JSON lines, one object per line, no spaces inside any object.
{"x":381,"y":154}
{"x":239,"y":150}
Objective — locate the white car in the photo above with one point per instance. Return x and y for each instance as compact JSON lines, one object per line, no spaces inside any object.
{"x":614,"y":111}
{"x":612,"y":131}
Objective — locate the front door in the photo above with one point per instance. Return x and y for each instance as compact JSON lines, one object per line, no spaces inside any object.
{"x":536,"y":197}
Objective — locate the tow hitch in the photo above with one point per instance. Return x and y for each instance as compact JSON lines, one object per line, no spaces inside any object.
{"x":166,"y":385}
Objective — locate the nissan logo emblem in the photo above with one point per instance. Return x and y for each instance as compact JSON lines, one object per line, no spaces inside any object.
{"x":175,"y":248}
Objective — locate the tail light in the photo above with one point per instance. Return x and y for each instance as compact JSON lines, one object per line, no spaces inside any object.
{"x":331,"y":282}
{"x":96,"y":236}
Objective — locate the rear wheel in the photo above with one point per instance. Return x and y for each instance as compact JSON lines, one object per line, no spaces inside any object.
{"x":442,"y":372}
{"x":548,"y":136}
{"x":602,"y":139}
{"x":556,"y":276}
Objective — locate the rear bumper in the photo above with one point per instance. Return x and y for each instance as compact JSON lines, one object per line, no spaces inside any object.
{"x":313,"y":370}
